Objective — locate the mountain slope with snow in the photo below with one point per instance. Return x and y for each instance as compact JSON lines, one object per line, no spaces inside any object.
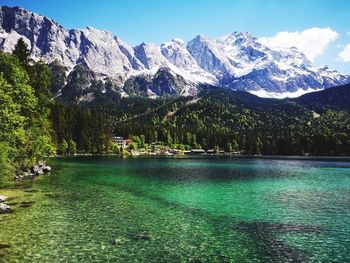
{"x":237,"y":61}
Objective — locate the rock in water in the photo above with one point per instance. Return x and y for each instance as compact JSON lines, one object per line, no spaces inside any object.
{"x":3,"y":198}
{"x":46,"y":168}
{"x":40,"y":171}
{"x":4,"y":208}
{"x":4,"y":246}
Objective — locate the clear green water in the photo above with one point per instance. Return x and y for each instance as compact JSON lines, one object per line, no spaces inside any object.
{"x":106,"y":209}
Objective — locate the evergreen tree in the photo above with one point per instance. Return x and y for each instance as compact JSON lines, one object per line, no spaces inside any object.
{"x":22,"y":52}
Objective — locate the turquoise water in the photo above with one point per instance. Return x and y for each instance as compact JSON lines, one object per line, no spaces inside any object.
{"x":106,"y":209}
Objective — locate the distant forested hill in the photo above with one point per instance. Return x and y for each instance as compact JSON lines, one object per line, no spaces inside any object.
{"x":336,"y":98}
{"x":239,"y":121}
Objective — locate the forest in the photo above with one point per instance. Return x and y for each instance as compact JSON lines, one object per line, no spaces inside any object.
{"x":238,"y":121}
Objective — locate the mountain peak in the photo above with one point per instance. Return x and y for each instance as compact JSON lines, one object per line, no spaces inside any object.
{"x":149,"y":55}
{"x":179,"y":41}
{"x":237,"y":34}
{"x":201,"y":37}
{"x":235,"y":61}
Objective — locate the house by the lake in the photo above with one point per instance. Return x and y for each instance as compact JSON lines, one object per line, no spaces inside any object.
{"x":118,"y":140}
{"x":197,"y":152}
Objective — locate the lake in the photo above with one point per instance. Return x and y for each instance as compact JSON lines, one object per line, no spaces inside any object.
{"x":100,"y":209}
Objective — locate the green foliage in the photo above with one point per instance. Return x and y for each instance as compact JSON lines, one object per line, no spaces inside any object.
{"x":6,"y":167}
{"x":21,"y":93}
{"x":62,"y":147}
{"x":115,"y":148}
{"x":12,"y":123}
{"x":72,"y":147}
{"x":86,"y":127}
{"x":25,"y":130}
{"x":40,"y":81}
{"x":133,"y":146}
{"x":136,"y":141}
{"x":143,"y":140}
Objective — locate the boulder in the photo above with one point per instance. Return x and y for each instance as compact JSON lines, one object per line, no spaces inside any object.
{"x":4,"y":208}
{"x":19,"y":175}
{"x":40,"y":171}
{"x":46,"y":168}
{"x":35,"y":169}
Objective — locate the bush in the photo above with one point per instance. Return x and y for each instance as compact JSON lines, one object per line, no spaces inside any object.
{"x":115,"y":148}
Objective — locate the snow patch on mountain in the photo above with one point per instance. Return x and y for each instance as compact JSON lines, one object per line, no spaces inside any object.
{"x":282,"y":95}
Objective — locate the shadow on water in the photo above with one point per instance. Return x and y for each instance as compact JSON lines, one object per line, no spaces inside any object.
{"x":263,"y":233}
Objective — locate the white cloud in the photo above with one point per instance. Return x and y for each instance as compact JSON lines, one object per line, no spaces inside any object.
{"x":313,"y":42}
{"x":345,"y":54}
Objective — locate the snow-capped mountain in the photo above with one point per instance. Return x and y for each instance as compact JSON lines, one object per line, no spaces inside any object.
{"x":236,"y":61}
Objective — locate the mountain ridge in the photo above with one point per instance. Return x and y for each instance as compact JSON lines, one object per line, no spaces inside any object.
{"x":236,"y":61}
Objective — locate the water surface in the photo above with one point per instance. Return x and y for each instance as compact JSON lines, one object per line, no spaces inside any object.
{"x":98,"y":209}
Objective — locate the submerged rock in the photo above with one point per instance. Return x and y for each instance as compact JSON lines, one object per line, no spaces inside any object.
{"x":4,"y":246}
{"x":119,"y":241}
{"x":26,"y":204}
{"x":4,"y":208}
{"x":3,"y":198}
{"x":31,"y":191}
{"x":12,"y":203}
{"x":140,"y":237}
{"x":52,"y":195}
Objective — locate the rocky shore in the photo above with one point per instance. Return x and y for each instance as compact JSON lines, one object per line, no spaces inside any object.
{"x":37,"y":170}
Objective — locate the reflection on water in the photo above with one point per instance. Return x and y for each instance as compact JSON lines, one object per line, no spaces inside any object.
{"x":203,"y":210}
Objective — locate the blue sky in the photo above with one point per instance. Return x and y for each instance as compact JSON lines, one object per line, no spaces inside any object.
{"x":158,"y":21}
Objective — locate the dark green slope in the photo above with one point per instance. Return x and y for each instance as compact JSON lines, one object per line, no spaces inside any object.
{"x":235,"y":120}
{"x":336,"y":98}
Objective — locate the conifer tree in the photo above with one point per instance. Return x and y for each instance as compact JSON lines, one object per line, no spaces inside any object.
{"x":22,"y":52}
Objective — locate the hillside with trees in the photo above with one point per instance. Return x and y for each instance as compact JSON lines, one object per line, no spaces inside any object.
{"x":236,"y":121}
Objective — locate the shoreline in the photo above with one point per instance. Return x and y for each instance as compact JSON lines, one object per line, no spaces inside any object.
{"x":233,"y":156}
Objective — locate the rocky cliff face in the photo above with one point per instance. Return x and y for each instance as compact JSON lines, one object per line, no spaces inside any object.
{"x":236,"y":61}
